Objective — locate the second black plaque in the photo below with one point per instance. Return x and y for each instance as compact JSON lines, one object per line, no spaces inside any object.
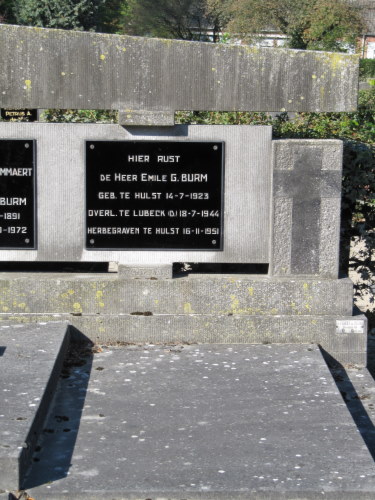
{"x":17,"y":194}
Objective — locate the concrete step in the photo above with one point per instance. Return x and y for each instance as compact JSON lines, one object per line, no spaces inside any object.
{"x":346,"y":346}
{"x":203,"y":422}
{"x":219,"y":295}
{"x":31,"y":357}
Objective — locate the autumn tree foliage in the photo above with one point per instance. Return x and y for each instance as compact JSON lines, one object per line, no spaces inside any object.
{"x":313,"y":24}
{"x":309,"y":24}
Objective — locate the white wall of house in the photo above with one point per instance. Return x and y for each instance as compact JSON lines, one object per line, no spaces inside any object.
{"x":370,"y":53}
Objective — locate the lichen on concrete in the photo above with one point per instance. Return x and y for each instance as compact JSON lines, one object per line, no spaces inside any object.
{"x":265,"y":79}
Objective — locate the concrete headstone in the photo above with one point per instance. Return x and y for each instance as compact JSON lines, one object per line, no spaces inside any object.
{"x":153,"y":194}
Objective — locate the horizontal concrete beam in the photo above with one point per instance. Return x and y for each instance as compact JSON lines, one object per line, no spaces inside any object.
{"x":346,"y":347}
{"x":245,"y":296}
{"x":44,"y":68}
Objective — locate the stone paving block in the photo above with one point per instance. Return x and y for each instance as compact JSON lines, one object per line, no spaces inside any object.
{"x":31,"y":356}
{"x":202,"y":422}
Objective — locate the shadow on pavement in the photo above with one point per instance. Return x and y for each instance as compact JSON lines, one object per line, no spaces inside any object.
{"x":352,"y":401}
{"x":52,"y":458}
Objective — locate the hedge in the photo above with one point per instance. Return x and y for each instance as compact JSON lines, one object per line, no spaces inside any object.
{"x":367,"y":68}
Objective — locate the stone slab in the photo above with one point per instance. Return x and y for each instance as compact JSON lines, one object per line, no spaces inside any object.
{"x":53,"y":69}
{"x":141,"y":118}
{"x":202,"y":422}
{"x":61,"y":191}
{"x":306,"y":207}
{"x":194,"y":294}
{"x":30,"y":361}
{"x":209,"y":329}
{"x":146,"y":272}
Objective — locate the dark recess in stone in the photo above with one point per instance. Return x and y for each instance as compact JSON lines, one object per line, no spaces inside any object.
{"x":54,"y":267}
{"x":184,"y":268}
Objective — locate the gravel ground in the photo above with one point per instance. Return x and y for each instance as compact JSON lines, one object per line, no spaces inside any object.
{"x":366,"y":302}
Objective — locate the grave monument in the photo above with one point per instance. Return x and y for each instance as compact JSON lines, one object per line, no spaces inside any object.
{"x":145,"y":196}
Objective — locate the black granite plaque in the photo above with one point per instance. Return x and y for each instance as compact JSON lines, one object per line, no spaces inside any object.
{"x":22,"y":114}
{"x":154,"y":195}
{"x":17,"y":194}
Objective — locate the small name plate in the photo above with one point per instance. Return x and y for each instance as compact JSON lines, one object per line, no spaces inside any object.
{"x":17,"y":194}
{"x":350,"y":326}
{"x":14,"y":115}
{"x":154,"y":195}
